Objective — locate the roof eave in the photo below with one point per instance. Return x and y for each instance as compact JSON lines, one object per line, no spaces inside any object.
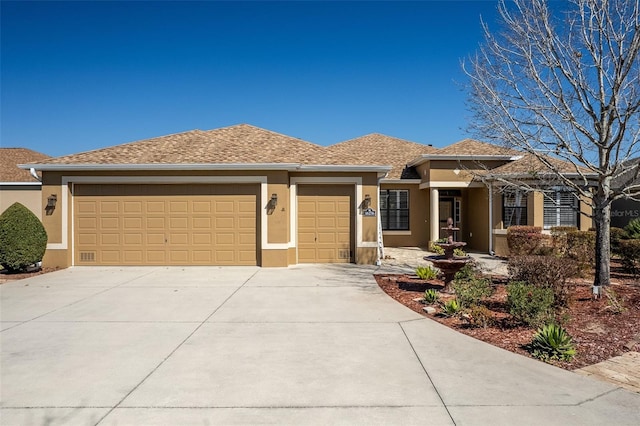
{"x":343,"y":168}
{"x":175,"y":166}
{"x":426,"y":157}
{"x":20,"y":183}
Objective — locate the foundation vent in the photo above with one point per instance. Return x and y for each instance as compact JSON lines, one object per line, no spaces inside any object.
{"x":344,"y":254}
{"x":87,"y":256}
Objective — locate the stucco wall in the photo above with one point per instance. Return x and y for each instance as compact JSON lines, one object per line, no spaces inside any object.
{"x":418,"y":233}
{"x":27,"y":195}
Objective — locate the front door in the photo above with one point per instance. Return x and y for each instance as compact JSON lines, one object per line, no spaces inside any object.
{"x":445,"y":211}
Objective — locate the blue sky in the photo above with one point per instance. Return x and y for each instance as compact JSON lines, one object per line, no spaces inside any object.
{"x":77,"y":76}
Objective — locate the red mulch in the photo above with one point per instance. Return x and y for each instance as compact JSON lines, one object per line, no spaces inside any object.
{"x":6,"y":277}
{"x":598,"y":333}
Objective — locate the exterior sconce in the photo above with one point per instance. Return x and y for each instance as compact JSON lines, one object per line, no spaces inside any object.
{"x":51,"y":201}
{"x":274,"y":200}
{"x":366,"y":203}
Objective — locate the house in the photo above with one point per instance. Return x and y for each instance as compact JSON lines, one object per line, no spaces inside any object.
{"x":18,"y":185}
{"x":242,"y":195}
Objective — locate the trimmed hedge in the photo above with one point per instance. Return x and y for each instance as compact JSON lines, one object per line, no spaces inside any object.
{"x":23,"y":239}
{"x":581,"y":247}
{"x":615,"y":236}
{"x":524,"y":240}
{"x":630,"y":253}
{"x":559,"y":237}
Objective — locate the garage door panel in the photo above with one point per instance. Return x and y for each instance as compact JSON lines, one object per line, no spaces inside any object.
{"x":109,"y":207}
{"x":202,"y":239}
{"x":88,"y":239}
{"x":165,"y":224}
{"x":87,"y":207}
{"x":156,"y":257}
{"x":132,"y":207}
{"x":110,"y":256}
{"x":134,"y":223}
{"x":201,"y":207}
{"x":201,"y":223}
{"x":88,"y":224}
{"x":109,"y":223}
{"x":110,"y":239}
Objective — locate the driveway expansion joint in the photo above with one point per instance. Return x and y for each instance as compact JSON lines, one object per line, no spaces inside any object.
{"x":415,"y":353}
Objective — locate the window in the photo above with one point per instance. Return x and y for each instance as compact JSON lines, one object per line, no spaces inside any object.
{"x":514,"y":208}
{"x":394,"y":209}
{"x":560,"y":209}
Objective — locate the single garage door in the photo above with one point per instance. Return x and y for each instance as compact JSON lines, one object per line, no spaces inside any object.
{"x":165,"y":224}
{"x":325,"y":215}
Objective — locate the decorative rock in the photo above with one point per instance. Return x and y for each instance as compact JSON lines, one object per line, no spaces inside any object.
{"x":429,"y":309}
{"x":418,"y":299}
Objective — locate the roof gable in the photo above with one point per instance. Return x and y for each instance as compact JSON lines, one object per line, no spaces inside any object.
{"x":473,"y":147}
{"x":376,"y":148}
{"x":9,"y":160}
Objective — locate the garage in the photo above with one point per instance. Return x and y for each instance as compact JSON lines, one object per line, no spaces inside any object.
{"x":325,"y":215}
{"x":144,"y":224}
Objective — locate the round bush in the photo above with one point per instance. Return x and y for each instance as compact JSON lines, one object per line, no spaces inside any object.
{"x":23,"y":239}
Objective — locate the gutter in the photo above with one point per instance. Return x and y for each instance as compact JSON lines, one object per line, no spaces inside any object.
{"x":292,"y":167}
{"x":426,"y":157}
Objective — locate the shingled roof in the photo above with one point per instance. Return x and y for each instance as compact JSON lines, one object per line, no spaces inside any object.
{"x":9,"y":160}
{"x":472,"y":147}
{"x":376,"y":148}
{"x":529,"y":164}
{"x":239,"y":144}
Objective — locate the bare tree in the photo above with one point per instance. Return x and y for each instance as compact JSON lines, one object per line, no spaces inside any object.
{"x":565,"y":85}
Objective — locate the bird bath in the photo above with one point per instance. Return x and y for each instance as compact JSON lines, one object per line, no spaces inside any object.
{"x":448,"y":263}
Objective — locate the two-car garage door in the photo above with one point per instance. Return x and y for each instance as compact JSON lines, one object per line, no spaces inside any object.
{"x":165,"y":224}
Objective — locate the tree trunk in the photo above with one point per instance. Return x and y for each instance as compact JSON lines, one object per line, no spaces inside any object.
{"x":602,"y":219}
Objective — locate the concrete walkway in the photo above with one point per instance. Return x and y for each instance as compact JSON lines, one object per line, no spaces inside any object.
{"x":242,"y":345}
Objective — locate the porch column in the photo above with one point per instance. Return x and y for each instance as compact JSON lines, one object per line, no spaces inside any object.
{"x":435,"y":212}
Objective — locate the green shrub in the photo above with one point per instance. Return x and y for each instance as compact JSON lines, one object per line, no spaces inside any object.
{"x":523,"y":240}
{"x":615,"y":235}
{"x":434,"y":248}
{"x":23,"y":239}
{"x":480,"y":316}
{"x":581,"y":247}
{"x":630,"y":253}
{"x":427,"y":272}
{"x":459,"y":253}
{"x":545,"y":271}
{"x":451,"y":308}
{"x":530,"y":304}
{"x":552,"y":342}
{"x":431,"y":296}
{"x":633,"y":229}
{"x":470,"y":291}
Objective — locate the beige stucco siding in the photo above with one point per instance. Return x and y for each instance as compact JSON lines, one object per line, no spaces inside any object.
{"x":418,"y":233}
{"x":27,"y":195}
{"x":475,"y":215}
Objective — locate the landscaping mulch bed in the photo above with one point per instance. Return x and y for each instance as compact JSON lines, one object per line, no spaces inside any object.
{"x":6,"y":277}
{"x":598,"y":333}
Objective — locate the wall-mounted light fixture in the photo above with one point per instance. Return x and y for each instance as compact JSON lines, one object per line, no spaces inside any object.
{"x":366,"y":203}
{"x":274,"y":200}
{"x":51,"y":201}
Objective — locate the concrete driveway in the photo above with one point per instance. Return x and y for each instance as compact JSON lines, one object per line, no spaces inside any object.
{"x":244,"y":345}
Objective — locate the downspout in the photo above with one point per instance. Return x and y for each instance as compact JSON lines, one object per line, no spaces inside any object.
{"x":491,"y":252}
{"x":34,"y":174}
{"x":379,"y":220}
